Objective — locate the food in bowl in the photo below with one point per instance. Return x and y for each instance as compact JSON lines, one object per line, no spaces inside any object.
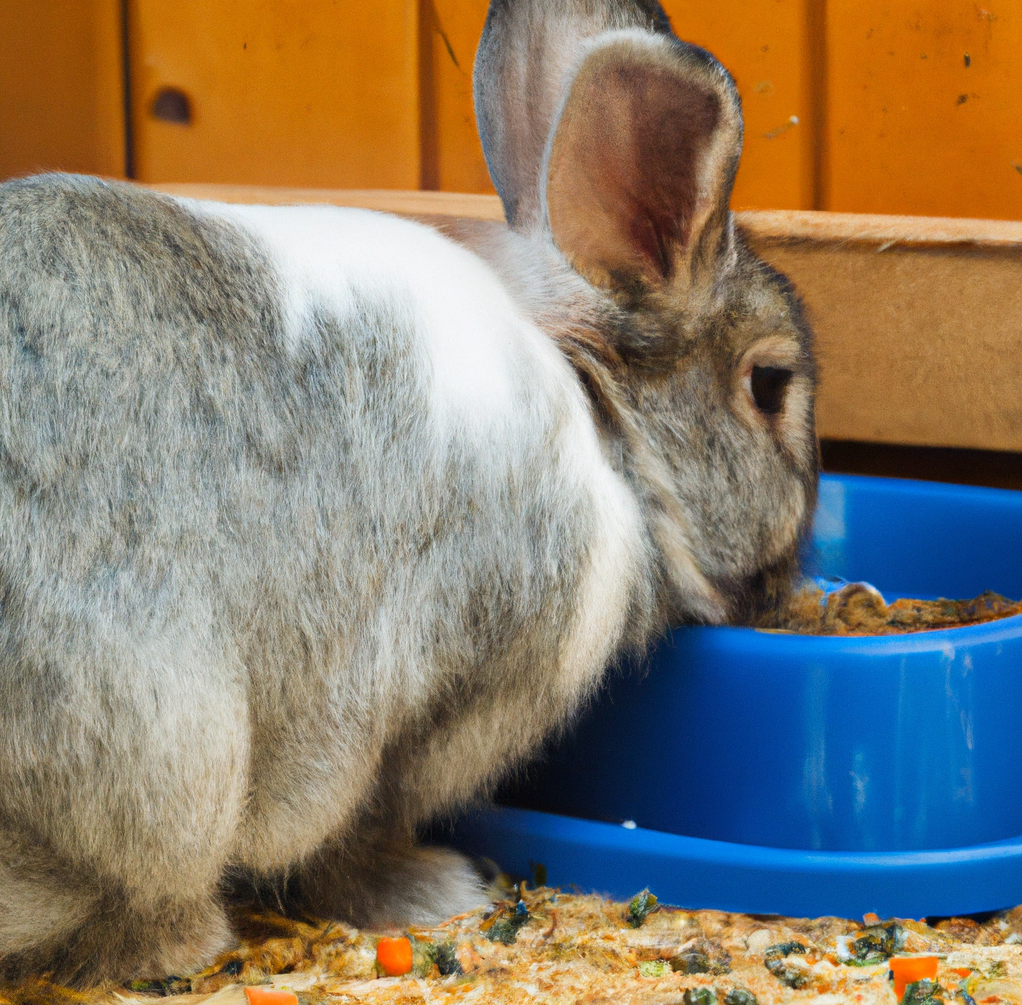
{"x":860,"y":609}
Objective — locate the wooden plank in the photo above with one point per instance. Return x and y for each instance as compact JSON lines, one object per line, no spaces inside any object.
{"x":885,"y":230}
{"x":452,"y":154}
{"x":925,"y":107}
{"x":409,"y":203}
{"x":61,"y":87}
{"x":918,"y":344}
{"x":918,"y":322}
{"x":876,"y":89}
{"x":768,"y":46}
{"x":300,"y":92}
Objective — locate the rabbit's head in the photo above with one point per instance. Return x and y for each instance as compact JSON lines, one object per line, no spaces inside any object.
{"x":614,"y":147}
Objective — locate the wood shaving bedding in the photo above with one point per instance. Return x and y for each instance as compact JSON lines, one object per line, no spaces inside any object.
{"x":559,"y":947}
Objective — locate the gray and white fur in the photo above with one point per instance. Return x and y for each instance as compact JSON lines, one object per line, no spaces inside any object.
{"x":314,"y":522}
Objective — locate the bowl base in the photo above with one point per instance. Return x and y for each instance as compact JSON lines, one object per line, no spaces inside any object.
{"x":697,"y":873}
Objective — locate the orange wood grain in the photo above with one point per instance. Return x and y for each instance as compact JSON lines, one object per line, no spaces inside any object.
{"x":880,"y":128}
{"x":925,"y":107}
{"x":61,"y":87}
{"x":779,"y":228}
{"x":767,"y":46}
{"x":919,"y":342}
{"x":907,"y":108}
{"x":452,"y":154}
{"x":882,"y":231}
{"x":301,"y":92}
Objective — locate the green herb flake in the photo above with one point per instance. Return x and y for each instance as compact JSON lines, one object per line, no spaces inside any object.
{"x":640,"y":906}
{"x":924,"y":992}
{"x":690,"y":963}
{"x":699,"y":996}
{"x":775,"y":959}
{"x":740,"y":996}
{"x":505,"y":929}
{"x":654,"y":968}
{"x":876,"y":944}
{"x":443,"y":955}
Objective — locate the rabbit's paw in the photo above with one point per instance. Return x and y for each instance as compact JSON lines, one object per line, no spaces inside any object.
{"x":391,"y":885}
{"x":148,"y":942}
{"x":435,"y":884}
{"x":190,"y":939}
{"x":112,"y":943}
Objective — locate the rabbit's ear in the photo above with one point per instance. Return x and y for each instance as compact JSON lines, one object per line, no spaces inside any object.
{"x":526,"y":55}
{"x":640,"y":165}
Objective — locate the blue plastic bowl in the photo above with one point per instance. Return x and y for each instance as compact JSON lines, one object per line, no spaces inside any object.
{"x":767,"y":772}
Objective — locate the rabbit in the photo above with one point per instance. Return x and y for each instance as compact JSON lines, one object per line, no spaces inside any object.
{"x":315,"y":522}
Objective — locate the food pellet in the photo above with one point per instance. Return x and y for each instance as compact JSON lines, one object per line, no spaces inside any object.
{"x":394,"y":956}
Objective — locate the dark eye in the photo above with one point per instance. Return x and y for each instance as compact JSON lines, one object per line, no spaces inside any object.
{"x":769,"y":384}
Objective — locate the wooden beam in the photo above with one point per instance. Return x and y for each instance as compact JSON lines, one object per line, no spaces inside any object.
{"x":918,"y":320}
{"x":918,"y":324}
{"x":61,"y":87}
{"x":405,"y":203}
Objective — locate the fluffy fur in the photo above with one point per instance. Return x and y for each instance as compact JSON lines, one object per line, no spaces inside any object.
{"x":314,"y":522}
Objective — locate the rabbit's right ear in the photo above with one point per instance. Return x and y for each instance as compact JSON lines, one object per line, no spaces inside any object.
{"x":636,"y":182}
{"x":528,"y":50}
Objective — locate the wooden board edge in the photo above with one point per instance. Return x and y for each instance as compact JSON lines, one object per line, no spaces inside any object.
{"x":410,"y":202}
{"x":770,"y":226}
{"x":762,"y":226}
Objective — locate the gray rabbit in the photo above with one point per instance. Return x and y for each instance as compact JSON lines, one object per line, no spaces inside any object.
{"x":314,"y":521}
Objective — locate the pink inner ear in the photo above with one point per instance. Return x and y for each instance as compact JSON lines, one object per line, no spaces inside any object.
{"x":623,"y":183}
{"x":673,"y":121}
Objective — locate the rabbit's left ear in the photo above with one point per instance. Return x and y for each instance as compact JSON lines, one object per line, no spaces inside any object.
{"x":640,"y":164}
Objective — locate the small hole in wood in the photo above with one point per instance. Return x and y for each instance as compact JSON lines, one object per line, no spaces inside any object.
{"x":171,"y":104}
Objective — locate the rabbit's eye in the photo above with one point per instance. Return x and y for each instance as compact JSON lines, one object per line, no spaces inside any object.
{"x":768,"y":385}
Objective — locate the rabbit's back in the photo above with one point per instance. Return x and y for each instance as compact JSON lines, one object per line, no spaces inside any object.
{"x":294,"y":509}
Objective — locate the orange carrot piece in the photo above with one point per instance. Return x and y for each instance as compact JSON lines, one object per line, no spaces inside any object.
{"x":262,"y":995}
{"x":394,"y":956}
{"x":909,"y":969}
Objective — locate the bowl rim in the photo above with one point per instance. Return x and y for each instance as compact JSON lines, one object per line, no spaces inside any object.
{"x":944,"y":640}
{"x":915,"y":486}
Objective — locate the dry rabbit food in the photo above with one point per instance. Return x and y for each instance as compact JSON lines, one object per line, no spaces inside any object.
{"x":858,"y":609}
{"x":550,"y":946}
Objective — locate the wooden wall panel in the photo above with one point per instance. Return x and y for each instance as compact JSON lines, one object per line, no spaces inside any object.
{"x":767,"y":45}
{"x":61,"y":87}
{"x":917,"y":345}
{"x":452,"y":155}
{"x":307,"y":92}
{"x":876,"y":87}
{"x":925,"y":107}
{"x":857,"y":105}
